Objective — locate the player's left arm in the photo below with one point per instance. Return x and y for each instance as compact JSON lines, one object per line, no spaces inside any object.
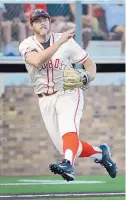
{"x":80,"y":56}
{"x":90,"y":67}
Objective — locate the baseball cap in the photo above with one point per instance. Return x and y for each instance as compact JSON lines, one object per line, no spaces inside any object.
{"x":37,"y":13}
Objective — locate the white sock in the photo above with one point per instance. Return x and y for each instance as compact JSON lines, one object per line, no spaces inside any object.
{"x":68,"y":155}
{"x":97,"y":156}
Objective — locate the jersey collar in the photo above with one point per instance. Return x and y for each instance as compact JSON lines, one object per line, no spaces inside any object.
{"x":40,"y":45}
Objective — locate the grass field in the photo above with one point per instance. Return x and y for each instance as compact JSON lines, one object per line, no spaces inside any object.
{"x":54,"y":184}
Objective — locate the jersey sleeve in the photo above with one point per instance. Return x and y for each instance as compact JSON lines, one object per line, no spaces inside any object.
{"x":76,"y":53}
{"x":25,"y":47}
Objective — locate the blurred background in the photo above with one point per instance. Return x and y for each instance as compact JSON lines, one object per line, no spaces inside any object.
{"x":25,"y":147}
{"x":102,"y":25}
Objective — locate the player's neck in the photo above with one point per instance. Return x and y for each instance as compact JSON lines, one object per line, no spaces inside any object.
{"x":42,"y":39}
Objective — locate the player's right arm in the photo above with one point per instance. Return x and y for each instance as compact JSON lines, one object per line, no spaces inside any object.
{"x":37,"y":59}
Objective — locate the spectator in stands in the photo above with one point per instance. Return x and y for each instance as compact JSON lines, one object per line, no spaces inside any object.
{"x":25,"y":15}
{"x":16,"y":29}
{"x":5,"y":31}
{"x":2,"y":10}
{"x":61,"y":17}
{"x":115,"y":21}
{"x":86,"y":22}
{"x":99,"y":31}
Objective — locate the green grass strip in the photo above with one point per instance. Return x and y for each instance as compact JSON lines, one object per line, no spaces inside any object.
{"x":110,"y":185}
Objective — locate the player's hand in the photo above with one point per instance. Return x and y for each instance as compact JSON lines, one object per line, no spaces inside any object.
{"x":67,"y":35}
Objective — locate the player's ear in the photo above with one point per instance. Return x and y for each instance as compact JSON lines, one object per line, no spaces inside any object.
{"x":30,"y":26}
{"x":50,"y":24}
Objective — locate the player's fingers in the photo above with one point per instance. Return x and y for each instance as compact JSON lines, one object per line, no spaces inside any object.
{"x":71,"y":31}
{"x":71,"y":35}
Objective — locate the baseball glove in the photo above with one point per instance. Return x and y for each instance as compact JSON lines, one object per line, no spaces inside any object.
{"x":76,"y":78}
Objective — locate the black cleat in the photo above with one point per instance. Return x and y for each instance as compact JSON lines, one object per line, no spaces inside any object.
{"x":106,"y":161}
{"x":64,"y":169}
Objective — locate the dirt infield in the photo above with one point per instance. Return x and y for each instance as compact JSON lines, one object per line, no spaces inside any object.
{"x":60,"y":195}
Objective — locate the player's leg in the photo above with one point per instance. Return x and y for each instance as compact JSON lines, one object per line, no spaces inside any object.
{"x":7,"y":38}
{"x":87,"y":36}
{"x":49,"y":115}
{"x":22,"y":34}
{"x":90,"y":151}
{"x":69,"y":130}
{"x":69,"y":116}
{"x":100,"y":155}
{"x":69,"y":122}
{"x":69,"y":106}
{"x":121,"y":30}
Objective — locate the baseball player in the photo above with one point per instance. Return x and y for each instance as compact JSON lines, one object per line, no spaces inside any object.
{"x":60,"y":89}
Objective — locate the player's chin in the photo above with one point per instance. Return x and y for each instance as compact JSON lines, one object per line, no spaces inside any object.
{"x":43,"y":32}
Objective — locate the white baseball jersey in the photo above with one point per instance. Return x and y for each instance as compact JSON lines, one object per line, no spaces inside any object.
{"x":49,"y":77}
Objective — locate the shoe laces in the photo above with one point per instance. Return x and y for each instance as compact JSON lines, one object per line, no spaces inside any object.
{"x":101,"y":163}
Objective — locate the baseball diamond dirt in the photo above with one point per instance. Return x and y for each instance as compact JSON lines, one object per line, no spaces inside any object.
{"x":59,"y":195}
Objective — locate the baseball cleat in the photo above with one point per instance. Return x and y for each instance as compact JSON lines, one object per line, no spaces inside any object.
{"x":106,"y":161}
{"x":64,"y":169}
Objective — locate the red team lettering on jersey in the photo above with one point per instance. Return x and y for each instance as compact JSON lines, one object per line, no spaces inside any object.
{"x":50,"y":64}
{"x":49,"y":77}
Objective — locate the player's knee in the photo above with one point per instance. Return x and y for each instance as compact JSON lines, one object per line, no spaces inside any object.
{"x":120,"y":29}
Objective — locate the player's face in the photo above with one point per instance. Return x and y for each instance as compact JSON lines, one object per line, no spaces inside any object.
{"x":41,"y":26}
